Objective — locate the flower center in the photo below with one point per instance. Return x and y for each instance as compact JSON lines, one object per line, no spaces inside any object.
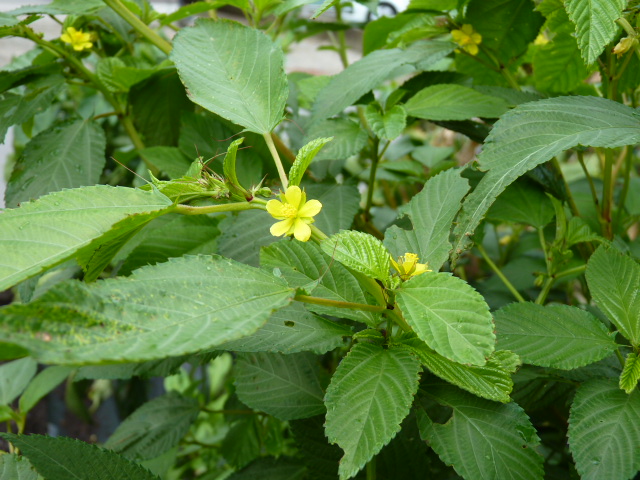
{"x":289,"y":211}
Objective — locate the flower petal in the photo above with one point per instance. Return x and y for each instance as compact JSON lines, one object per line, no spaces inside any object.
{"x":281,"y":228}
{"x":276,"y":209}
{"x":302,"y":231}
{"x":310,"y":209}
{"x":293,"y":195}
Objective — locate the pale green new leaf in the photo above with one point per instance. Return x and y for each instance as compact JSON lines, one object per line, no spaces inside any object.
{"x":491,"y":381}
{"x":56,"y":226}
{"x":229,"y":162}
{"x":67,"y":155}
{"x":614,"y":282}
{"x":630,"y":373}
{"x":41,"y":385}
{"x":432,"y":212}
{"x":304,"y":265}
{"x":454,"y":102}
{"x":535,"y":132}
{"x":14,"y":378}
{"x":556,"y":336}
{"x":370,"y":71}
{"x":388,"y":125}
{"x":360,"y":251}
{"x":290,"y":330}
{"x":370,"y":394}
{"x":604,"y":438}
{"x":285,"y":386}
{"x":482,"y":439}
{"x":14,"y":467}
{"x":60,"y":458}
{"x":449,"y":316}
{"x":157,"y":426}
{"x":234,"y":71}
{"x":185,"y":305}
{"x":595,"y":24}
{"x":304,"y":158}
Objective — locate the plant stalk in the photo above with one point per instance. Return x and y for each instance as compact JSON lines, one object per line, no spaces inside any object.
{"x":226,"y":207}
{"x":499,"y":273}
{"x":276,"y":158}
{"x":338,"y":304}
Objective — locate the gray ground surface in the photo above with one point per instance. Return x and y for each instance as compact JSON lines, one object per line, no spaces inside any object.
{"x":304,"y":56}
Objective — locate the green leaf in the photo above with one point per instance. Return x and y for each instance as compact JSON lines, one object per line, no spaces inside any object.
{"x":614,"y":281}
{"x":285,"y":386}
{"x":482,"y":439}
{"x":603,"y":434}
{"x":234,"y":71}
{"x":67,"y":155}
{"x":119,"y":77}
{"x":556,"y":336}
{"x":595,"y":24}
{"x":431,"y":212}
{"x":68,"y":459}
{"x":170,"y":160}
{"x":41,"y":385}
{"x":229,"y":162}
{"x":449,"y":316}
{"x":241,"y":444}
{"x":155,"y":427}
{"x":304,"y":158}
{"x":522,"y":202}
{"x":491,"y":381}
{"x":290,"y":330}
{"x":370,"y":394}
{"x":62,"y":7}
{"x":453,"y":102}
{"x":340,"y":203}
{"x":7,"y":20}
{"x":269,"y":468}
{"x":557,"y":66}
{"x":182,"y":306}
{"x":86,"y":213}
{"x":187,"y":11}
{"x":388,"y":125}
{"x":630,"y":373}
{"x":320,"y":457}
{"x":244,"y":234}
{"x":348,"y":138}
{"x":535,"y":132}
{"x":14,"y":467}
{"x":359,"y":251}
{"x":14,"y":378}
{"x":370,"y":71}
{"x":304,"y":264}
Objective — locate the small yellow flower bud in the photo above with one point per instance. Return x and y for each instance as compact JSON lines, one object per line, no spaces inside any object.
{"x":407,"y":266}
{"x":624,"y":45}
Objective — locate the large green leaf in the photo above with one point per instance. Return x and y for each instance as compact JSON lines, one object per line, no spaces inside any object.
{"x":236,"y":229}
{"x":348,"y":138}
{"x":523,"y":202}
{"x":370,"y":394}
{"x":235,"y":71}
{"x":359,"y":251}
{"x":454,"y":102}
{"x":595,"y":24}
{"x":449,"y":316}
{"x":67,"y":155}
{"x":63,"y":458}
{"x":14,"y":467}
{"x":155,"y":427}
{"x":482,"y":439}
{"x":41,"y":385}
{"x":603,"y":431}
{"x":182,"y":306}
{"x":290,"y":330}
{"x":370,"y":71}
{"x":535,"y":132}
{"x":491,"y":381}
{"x":320,"y":457}
{"x":62,"y":7}
{"x":14,"y":378}
{"x":557,"y":67}
{"x":45,"y":232}
{"x":285,"y":386}
{"x":431,"y":212}
{"x":557,"y":336}
{"x":614,"y":281}
{"x":269,"y":468}
{"x":304,"y":265}
{"x":340,"y":203}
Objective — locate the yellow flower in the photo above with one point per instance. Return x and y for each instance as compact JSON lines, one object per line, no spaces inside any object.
{"x":624,"y":45}
{"x":467,"y":38}
{"x":407,"y":266}
{"x":295,"y":212}
{"x":78,"y":40}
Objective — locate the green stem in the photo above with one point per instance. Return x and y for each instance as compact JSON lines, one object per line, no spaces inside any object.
{"x":545,"y":290}
{"x":620,"y":357}
{"x":400,"y":321}
{"x":501,"y":68}
{"x":226,"y":207}
{"x":607,"y":195}
{"x":342,"y":40}
{"x":545,"y":252}
{"x":624,"y":23}
{"x":317,"y":234}
{"x":570,"y":200}
{"x":338,"y":304}
{"x":371,"y":469}
{"x":128,"y":16}
{"x":592,"y":186}
{"x":571,"y":271}
{"x":499,"y":273}
{"x":372,"y":179}
{"x":625,"y":185}
{"x":276,"y":159}
{"x":280,"y":145}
